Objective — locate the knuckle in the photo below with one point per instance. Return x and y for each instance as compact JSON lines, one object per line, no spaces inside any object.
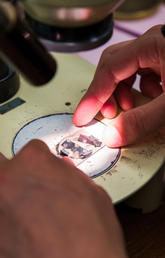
{"x":105,"y":53}
{"x":105,"y":56}
{"x":155,"y":27}
{"x":153,"y":39}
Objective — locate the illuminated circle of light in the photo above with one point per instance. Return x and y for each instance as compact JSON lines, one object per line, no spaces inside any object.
{"x":53,"y":128}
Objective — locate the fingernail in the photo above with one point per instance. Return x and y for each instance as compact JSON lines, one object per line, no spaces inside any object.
{"x":111,"y":137}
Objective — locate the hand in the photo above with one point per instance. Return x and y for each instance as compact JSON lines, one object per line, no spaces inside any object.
{"x":50,"y":209}
{"x":112,"y":83}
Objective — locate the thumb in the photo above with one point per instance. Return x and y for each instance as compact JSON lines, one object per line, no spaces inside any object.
{"x":132,"y":125}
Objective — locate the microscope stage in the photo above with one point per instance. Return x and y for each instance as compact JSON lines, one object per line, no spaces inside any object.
{"x":57,"y":131}
{"x":46,"y":113}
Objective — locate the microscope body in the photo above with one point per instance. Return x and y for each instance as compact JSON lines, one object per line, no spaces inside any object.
{"x":70,"y":13}
{"x":71,"y":25}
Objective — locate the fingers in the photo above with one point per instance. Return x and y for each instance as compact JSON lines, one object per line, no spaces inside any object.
{"x":151,"y":51}
{"x":150,"y":85}
{"x":87,"y":109}
{"x":123,"y":93}
{"x":129,"y":126}
{"x":118,"y":65}
{"x":109,"y":109}
{"x":124,"y":96}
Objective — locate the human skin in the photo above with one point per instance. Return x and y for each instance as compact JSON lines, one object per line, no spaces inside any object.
{"x":49,"y":208}
{"x":112,"y":84}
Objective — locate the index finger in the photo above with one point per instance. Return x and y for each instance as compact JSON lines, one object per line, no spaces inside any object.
{"x":117,"y":65}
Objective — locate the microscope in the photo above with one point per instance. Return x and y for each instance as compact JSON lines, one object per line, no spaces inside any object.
{"x":45,"y":113}
{"x":70,"y":25}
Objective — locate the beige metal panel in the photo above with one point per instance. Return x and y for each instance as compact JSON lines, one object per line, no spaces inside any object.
{"x":137,"y":164}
